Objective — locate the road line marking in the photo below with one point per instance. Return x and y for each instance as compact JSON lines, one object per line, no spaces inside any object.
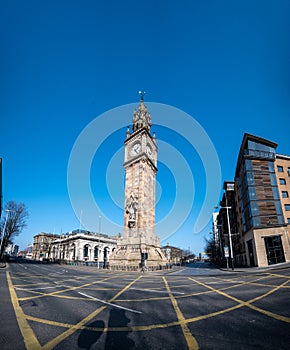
{"x":32,"y":289}
{"x":190,"y":340}
{"x":52,"y":343}
{"x":110,"y":304}
{"x":41,"y":295}
{"x":156,"y":291}
{"x":251,"y":301}
{"x":29,"y":337}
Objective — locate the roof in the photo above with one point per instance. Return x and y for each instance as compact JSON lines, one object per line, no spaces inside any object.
{"x":254,"y":138}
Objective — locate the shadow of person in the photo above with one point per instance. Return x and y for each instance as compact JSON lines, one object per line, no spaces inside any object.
{"x":88,"y":337}
{"x":118,"y":339}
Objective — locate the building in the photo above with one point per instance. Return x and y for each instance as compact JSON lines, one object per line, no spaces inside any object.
{"x":282,"y":168}
{"x":173,"y":254}
{"x":12,"y":249}
{"x":83,"y":246}
{"x":76,"y":246}
{"x":251,"y":217}
{"x":139,"y":247}
{"x":28,"y":251}
{"x":42,"y":245}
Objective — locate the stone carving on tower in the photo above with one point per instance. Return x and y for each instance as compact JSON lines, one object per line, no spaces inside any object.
{"x":131,"y":209}
{"x":139,"y":246}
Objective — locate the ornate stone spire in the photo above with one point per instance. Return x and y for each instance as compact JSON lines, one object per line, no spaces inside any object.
{"x":142,"y":118}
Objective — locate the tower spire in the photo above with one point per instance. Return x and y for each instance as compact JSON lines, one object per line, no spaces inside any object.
{"x":142,"y":118}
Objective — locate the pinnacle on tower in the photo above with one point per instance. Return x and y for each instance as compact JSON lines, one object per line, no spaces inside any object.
{"x":142,"y":118}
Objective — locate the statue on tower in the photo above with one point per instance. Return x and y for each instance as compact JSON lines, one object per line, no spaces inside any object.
{"x":131,"y":209}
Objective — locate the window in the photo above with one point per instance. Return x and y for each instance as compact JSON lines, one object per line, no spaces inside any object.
{"x":280,"y":169}
{"x":285,"y":194}
{"x":282,"y":181}
{"x":287,"y":207}
{"x":288,"y":171}
{"x":274,"y":250}
{"x":288,"y":221}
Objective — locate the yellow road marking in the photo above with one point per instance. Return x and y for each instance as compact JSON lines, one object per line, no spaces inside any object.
{"x":193,"y":294}
{"x":51,"y":344}
{"x":181,"y":321}
{"x":136,"y":328}
{"x":29,"y":337}
{"x":41,"y":295}
{"x":249,"y":302}
{"x":191,"y":341}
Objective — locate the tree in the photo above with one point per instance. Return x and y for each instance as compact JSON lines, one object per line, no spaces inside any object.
{"x":210,"y":248}
{"x":12,"y":223}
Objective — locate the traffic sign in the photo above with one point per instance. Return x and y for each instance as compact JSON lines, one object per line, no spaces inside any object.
{"x":226,"y":251}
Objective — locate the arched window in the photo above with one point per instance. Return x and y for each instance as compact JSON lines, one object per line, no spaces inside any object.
{"x":96,"y":253}
{"x":73,"y":250}
{"x":106,"y":252}
{"x":86,"y":251}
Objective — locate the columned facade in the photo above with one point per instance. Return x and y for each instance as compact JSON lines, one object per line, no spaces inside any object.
{"x":82,"y":247}
{"x":76,"y":246}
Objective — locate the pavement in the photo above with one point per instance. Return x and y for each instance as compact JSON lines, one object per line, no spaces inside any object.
{"x":257,"y":269}
{"x":8,"y":319}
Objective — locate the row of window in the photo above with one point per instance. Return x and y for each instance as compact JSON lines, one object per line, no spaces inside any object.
{"x":281,"y":169}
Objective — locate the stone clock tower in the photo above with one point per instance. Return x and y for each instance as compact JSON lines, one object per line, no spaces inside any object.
{"x":139,"y":247}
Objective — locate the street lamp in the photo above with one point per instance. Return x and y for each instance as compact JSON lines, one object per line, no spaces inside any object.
{"x":230,"y":234}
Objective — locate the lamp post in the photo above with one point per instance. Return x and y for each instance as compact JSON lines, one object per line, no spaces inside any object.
{"x":99,"y":246}
{"x":230,"y":234}
{"x":230,"y":237}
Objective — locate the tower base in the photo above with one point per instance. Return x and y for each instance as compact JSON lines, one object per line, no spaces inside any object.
{"x":132,"y":257}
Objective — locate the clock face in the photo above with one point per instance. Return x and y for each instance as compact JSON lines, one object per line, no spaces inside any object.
{"x":136,"y":149}
{"x":149,"y":151}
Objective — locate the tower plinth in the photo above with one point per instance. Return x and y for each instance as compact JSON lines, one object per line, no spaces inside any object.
{"x":139,"y":248}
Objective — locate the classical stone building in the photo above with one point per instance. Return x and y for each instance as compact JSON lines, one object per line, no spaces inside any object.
{"x":139,"y":247}
{"x":76,"y":246}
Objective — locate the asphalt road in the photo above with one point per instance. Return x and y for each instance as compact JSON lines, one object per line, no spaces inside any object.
{"x":45,"y":306}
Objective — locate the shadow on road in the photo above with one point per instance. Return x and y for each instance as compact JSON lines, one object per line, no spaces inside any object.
{"x":115,"y":340}
{"x":118,"y":340}
{"x":87,"y":338}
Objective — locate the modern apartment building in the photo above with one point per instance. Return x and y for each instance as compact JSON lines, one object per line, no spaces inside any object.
{"x":259,"y":215}
{"x":282,"y":168}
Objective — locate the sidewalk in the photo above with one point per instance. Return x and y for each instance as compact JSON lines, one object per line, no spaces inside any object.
{"x":9,"y":331}
{"x":257,"y":269}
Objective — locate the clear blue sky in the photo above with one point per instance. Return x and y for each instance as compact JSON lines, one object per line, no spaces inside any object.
{"x":64,"y":63}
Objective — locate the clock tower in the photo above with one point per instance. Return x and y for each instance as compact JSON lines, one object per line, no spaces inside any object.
{"x":139,"y":247}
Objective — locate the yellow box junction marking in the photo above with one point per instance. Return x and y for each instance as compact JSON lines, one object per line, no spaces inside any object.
{"x":248,"y":303}
{"x":191,"y":341}
{"x":51,"y":344}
